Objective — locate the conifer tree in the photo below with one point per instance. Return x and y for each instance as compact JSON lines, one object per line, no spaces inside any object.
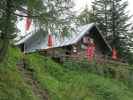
{"x":86,"y":17}
{"x":47,"y":13}
{"x":112,"y":19}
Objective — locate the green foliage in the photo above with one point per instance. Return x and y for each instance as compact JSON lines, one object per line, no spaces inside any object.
{"x":86,"y":17}
{"x":72,"y":82}
{"x":54,"y":15}
{"x":12,"y":85}
{"x":113,"y":20}
{"x":83,"y":65}
{"x":45,"y":14}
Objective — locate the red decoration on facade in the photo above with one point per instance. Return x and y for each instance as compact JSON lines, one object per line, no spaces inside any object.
{"x":91,"y":52}
{"x":28,"y":23}
{"x":114,"y":54}
{"x":50,"y":41}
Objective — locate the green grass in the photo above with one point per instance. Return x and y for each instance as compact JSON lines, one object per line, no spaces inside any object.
{"x":63,"y":83}
{"x":12,"y":85}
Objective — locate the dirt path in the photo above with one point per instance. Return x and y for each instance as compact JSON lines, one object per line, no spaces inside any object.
{"x":28,"y":77}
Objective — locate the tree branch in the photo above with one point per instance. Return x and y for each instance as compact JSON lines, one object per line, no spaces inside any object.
{"x":30,"y":16}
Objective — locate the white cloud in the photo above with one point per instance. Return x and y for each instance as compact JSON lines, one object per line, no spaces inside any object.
{"x":130,"y":3}
{"x":81,"y":4}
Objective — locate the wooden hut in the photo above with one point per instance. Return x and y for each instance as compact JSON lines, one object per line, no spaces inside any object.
{"x":73,"y":46}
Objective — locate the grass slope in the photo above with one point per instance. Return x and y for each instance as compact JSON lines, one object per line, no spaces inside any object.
{"x":12,"y":85}
{"x":66,"y":84}
{"x":62,"y":83}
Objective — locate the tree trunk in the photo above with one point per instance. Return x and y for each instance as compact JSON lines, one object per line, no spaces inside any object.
{"x":5,"y":33}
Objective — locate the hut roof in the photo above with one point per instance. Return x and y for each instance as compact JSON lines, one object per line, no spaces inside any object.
{"x":37,"y":42}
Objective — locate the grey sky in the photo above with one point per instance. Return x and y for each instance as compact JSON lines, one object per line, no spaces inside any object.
{"x":80,"y":4}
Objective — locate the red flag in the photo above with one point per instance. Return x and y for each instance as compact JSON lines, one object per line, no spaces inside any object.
{"x":28,"y":23}
{"x":50,"y":42}
{"x":114,"y":54}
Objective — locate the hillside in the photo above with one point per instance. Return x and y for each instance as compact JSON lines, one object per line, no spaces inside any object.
{"x":12,"y":85}
{"x":59,"y":82}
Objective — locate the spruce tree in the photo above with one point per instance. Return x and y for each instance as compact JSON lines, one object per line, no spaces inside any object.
{"x":112,"y":19}
{"x":101,"y":15}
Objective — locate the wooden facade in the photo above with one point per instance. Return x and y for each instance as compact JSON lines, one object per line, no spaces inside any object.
{"x":78,"y":49}
{"x":72,"y":46}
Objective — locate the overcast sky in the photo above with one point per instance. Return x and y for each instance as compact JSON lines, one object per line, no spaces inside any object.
{"x":80,"y":4}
